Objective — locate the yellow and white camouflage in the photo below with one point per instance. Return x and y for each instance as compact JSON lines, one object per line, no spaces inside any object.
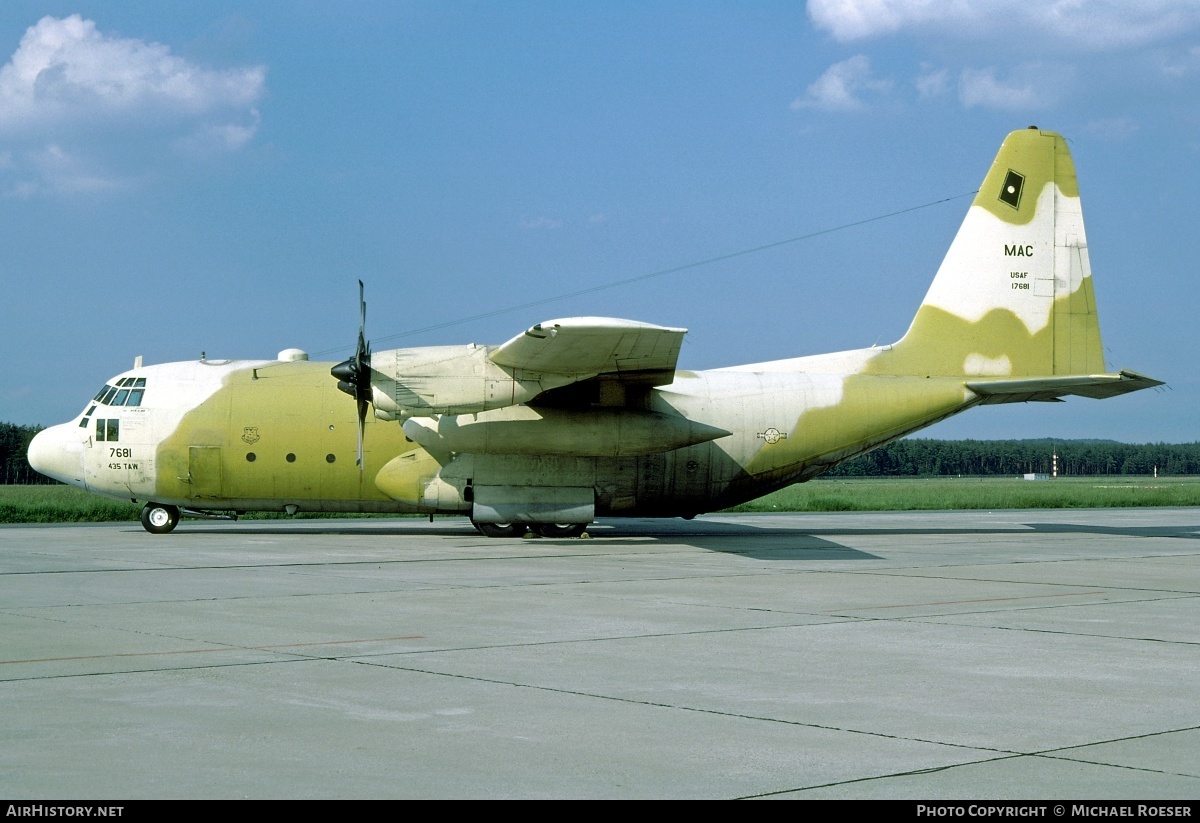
{"x":584,"y":417}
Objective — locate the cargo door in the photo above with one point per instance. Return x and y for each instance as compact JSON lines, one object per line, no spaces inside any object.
{"x":204,"y":471}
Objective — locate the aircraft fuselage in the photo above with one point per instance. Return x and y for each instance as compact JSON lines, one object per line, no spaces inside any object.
{"x":588,"y":416}
{"x":266,"y":435}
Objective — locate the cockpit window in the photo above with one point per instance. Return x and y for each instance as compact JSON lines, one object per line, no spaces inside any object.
{"x":125,"y":396}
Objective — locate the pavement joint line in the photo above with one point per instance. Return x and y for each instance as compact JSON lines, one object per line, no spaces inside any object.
{"x":874,"y":777}
{"x":980,"y":600}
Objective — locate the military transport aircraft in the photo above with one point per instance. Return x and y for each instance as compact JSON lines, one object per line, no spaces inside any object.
{"x":588,"y":416}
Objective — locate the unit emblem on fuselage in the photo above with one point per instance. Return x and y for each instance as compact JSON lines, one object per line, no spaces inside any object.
{"x":250,"y":435}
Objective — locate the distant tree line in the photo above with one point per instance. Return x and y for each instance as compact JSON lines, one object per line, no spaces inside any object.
{"x":903,"y":458}
{"x":925,"y":458}
{"x":14,"y":467}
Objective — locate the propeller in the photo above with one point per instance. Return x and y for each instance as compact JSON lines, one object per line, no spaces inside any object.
{"x":354,"y":375}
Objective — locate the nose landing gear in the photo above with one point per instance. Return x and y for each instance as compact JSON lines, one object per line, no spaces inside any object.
{"x":158,"y":518}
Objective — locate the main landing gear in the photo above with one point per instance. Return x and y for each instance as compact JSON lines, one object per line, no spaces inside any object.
{"x":540,"y":529}
{"x":158,"y":518}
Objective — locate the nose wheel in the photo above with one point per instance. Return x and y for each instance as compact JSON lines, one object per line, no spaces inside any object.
{"x":158,"y":518}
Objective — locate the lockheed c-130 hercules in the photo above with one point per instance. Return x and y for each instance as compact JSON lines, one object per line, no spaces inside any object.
{"x":588,"y":416}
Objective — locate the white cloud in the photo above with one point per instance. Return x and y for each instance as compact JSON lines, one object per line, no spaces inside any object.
{"x":541,"y":223}
{"x":218,"y":139}
{"x":979,"y":87}
{"x":1183,"y":64}
{"x":53,"y":170}
{"x":1088,"y":24}
{"x":1116,"y":129}
{"x":842,"y":85}
{"x":932,"y":82}
{"x":74,"y":100}
{"x":65,"y":70}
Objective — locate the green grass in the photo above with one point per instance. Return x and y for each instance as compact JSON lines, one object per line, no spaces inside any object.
{"x":67,"y":504}
{"x":60,"y":504}
{"x":939,"y":493}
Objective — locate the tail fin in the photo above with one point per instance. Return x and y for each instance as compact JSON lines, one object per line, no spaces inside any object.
{"x":1013,"y":297}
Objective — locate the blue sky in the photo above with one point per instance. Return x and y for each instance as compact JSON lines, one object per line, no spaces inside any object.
{"x":178,"y":178}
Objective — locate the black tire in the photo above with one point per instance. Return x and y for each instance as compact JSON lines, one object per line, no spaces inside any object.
{"x":158,"y":518}
{"x":558,"y":529}
{"x":500,"y":529}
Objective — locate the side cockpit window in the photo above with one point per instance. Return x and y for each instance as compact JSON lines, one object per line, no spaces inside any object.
{"x":127,"y":392}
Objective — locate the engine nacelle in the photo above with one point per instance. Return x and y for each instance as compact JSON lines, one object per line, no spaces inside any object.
{"x":448,"y":380}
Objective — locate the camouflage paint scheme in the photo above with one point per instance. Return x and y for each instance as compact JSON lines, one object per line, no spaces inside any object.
{"x":586,"y":417}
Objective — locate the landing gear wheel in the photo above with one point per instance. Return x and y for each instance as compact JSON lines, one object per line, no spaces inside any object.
{"x":558,"y":529}
{"x":500,"y":529}
{"x":158,"y":518}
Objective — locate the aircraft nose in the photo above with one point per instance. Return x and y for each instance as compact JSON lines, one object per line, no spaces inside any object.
{"x":57,"y":452}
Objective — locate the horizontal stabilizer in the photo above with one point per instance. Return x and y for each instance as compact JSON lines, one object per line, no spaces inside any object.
{"x":1049,"y":389}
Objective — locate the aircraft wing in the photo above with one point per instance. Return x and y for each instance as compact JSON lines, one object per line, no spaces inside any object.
{"x":1051,"y":389}
{"x":583,"y":347}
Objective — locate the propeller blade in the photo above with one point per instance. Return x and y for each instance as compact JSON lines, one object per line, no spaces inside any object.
{"x":363,"y":351}
{"x":354,"y":376}
{"x":362,"y":310}
{"x":362,"y":420}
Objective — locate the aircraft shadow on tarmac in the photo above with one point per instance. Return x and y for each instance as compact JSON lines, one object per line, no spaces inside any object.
{"x":767,"y":543}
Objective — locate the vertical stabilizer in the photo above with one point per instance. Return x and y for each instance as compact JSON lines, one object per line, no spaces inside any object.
{"x":1013,"y":297}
